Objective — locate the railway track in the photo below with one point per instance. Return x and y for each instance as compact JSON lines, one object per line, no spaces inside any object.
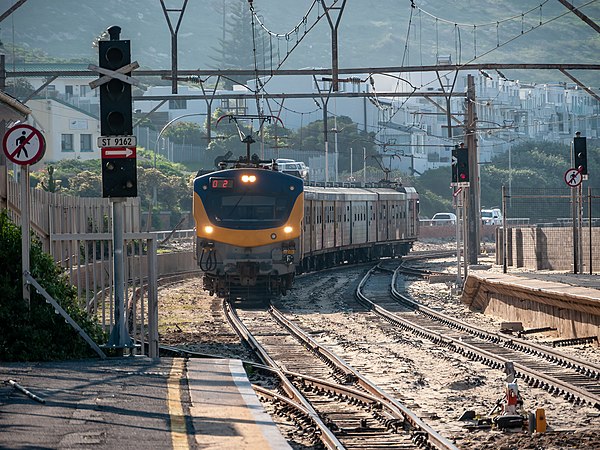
{"x":537,"y":365}
{"x":349,"y":411}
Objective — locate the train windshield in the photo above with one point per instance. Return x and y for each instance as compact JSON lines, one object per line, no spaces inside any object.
{"x":250,"y":211}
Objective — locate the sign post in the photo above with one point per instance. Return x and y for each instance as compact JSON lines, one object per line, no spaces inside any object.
{"x":573,"y":177}
{"x":24,"y":145}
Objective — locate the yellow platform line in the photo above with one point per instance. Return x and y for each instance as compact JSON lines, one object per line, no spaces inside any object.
{"x":178,"y":429}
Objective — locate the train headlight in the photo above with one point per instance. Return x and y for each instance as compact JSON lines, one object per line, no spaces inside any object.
{"x":273,"y":236}
{"x":248,"y":178}
{"x":208,"y":229}
{"x":288,"y":230}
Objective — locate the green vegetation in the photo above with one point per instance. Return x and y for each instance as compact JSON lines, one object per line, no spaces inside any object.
{"x":534,"y":165}
{"x":37,"y":334}
{"x":84,"y":179}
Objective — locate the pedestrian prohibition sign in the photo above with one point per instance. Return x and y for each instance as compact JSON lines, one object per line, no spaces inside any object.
{"x":573,"y":177}
{"x":24,"y":144}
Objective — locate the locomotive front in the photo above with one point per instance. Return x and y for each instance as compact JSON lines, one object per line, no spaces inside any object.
{"x":248,"y":224}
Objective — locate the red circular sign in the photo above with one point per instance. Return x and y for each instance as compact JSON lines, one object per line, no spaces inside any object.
{"x":573,"y":177}
{"x":24,"y":144}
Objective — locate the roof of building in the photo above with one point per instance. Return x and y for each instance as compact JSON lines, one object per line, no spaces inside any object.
{"x":12,"y":109}
{"x":36,"y":67}
{"x":68,"y":105}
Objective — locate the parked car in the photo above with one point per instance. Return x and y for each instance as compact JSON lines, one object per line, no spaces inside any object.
{"x":443,"y":219}
{"x":291,"y":167}
{"x":491,"y":217}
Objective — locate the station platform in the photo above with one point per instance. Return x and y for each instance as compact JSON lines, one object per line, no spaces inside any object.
{"x":568,"y":302}
{"x":133,"y":403}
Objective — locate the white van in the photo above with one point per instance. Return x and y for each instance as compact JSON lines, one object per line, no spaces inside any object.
{"x":491,"y":217}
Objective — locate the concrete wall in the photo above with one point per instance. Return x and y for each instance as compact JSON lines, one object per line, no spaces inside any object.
{"x":539,"y":248}
{"x":515,"y":299}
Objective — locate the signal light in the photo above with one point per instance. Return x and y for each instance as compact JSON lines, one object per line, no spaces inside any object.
{"x":460,"y":165}
{"x":119,"y":177}
{"x":115,"y":95}
{"x":580,"y":153}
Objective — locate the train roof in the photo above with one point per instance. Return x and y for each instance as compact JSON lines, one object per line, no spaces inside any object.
{"x":339,"y":193}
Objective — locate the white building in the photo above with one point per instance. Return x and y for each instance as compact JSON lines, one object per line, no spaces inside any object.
{"x":412,"y":131}
{"x":65,"y":111}
{"x":70,"y":133}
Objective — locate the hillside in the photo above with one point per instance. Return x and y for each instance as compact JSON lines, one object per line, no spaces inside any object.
{"x":371,"y":33}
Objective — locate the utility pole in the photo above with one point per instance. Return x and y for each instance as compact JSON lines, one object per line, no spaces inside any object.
{"x":3,"y":159}
{"x":334,"y":38}
{"x":472,"y":204}
{"x":174,"y":32}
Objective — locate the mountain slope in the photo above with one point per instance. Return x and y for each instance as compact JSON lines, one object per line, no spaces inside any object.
{"x":371,"y":33}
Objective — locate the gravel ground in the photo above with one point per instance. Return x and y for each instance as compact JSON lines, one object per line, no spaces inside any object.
{"x":439,"y":386}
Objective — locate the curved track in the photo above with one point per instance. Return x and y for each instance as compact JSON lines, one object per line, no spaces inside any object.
{"x":358,"y":413}
{"x":537,"y":365}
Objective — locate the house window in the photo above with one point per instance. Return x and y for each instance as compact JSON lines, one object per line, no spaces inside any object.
{"x":84,"y":90}
{"x":85,"y":142}
{"x":51,"y":90}
{"x":66,"y":143}
{"x":177,"y":104}
{"x":69,"y":91}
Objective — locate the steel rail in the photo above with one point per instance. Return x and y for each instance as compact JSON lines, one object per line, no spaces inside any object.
{"x":434,"y":439}
{"x":587,"y":369}
{"x":532,"y":377}
{"x":326,"y":435}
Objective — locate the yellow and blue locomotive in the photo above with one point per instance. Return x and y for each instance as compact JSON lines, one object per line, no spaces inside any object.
{"x":248,"y":225}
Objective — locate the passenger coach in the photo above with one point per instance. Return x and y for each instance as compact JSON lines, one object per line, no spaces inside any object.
{"x":357,"y":224}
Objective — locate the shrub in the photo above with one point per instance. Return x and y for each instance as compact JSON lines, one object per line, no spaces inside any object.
{"x":38,"y":333}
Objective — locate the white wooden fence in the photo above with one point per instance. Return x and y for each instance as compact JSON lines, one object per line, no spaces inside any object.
{"x":77,"y":232}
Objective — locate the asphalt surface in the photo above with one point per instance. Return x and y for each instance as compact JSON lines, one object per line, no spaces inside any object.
{"x":114,"y":403}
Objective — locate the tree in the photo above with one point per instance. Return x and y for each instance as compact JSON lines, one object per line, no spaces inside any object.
{"x":186,"y":133}
{"x":84,"y":179}
{"x":311,"y":136}
{"x":237,"y":49}
{"x":19,"y":88}
{"x":85,"y":184}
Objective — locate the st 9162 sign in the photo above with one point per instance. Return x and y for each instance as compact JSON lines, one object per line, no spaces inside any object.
{"x":117,"y":141}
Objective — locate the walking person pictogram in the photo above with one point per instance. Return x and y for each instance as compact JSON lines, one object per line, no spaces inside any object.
{"x":21,"y":143}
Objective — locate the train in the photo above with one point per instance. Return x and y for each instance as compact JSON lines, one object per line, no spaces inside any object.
{"x":257,"y":227}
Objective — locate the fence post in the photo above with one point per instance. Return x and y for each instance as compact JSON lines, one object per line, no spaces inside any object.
{"x":574,"y":216}
{"x":504,"y":232}
{"x":590,"y":225}
{"x":152,"y":300}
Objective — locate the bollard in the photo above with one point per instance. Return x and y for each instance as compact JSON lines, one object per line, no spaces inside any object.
{"x":540,"y":420}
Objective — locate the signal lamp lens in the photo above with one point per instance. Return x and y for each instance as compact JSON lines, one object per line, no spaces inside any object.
{"x":208,"y":229}
{"x":462,"y":176}
{"x":288,"y":229}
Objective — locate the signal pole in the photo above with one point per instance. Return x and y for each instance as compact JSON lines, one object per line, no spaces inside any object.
{"x":472,"y":201}
{"x":119,"y":166}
